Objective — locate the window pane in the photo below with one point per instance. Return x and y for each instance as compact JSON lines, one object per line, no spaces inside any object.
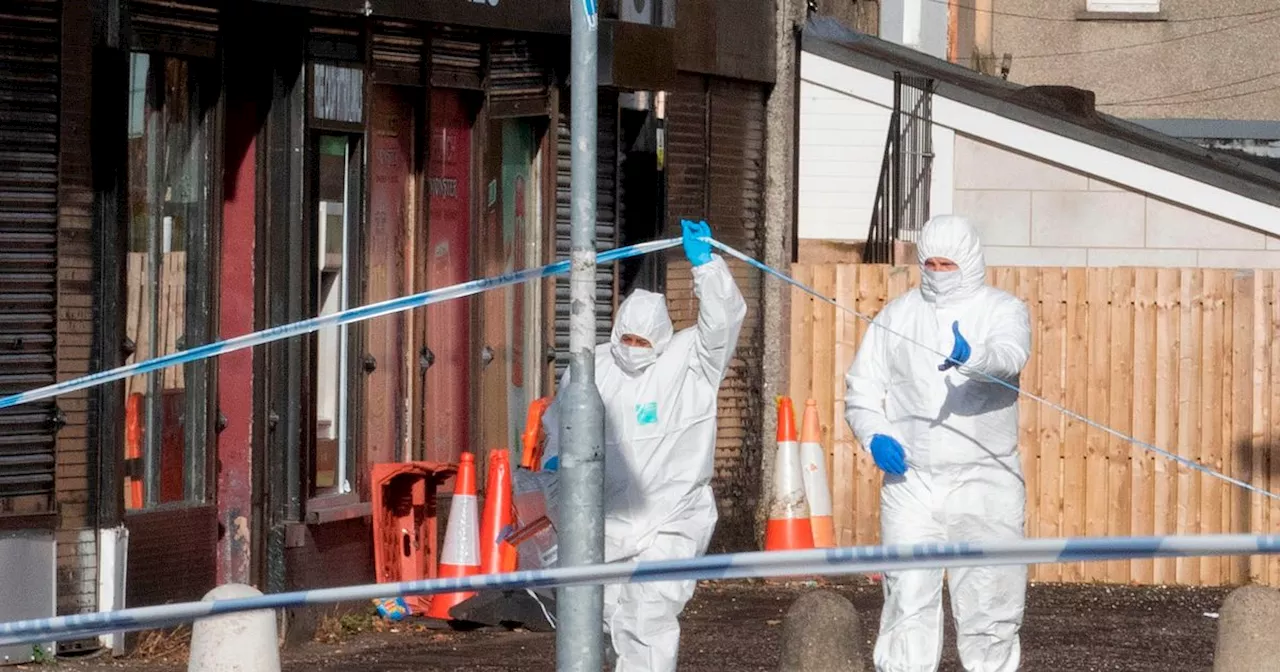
{"x":167,"y":203}
{"x":140,"y":299}
{"x":333,"y":160}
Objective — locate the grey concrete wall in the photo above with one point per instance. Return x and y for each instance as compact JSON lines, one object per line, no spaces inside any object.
{"x":780,"y":195}
{"x":1190,"y":65}
{"x":1031,"y":213}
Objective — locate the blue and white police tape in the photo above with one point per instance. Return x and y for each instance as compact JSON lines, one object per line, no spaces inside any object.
{"x":476,"y":286}
{"x":760,"y":564}
{"x":1187,"y":462}
{"x":359,"y":314}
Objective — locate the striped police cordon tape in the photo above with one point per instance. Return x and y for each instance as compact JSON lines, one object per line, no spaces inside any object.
{"x":476,"y":286}
{"x":358,"y":314}
{"x":760,"y":564}
{"x":1186,"y":462}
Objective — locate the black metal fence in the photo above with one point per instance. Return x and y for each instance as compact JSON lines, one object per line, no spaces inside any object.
{"x":902,"y":194}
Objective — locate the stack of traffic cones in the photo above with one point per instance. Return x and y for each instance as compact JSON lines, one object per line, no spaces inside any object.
{"x":461,"y":554}
{"x":813,"y":462}
{"x":789,"y":527}
{"x":496,"y":555}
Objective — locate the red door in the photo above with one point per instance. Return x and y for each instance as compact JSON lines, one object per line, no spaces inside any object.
{"x":448,"y":381}
{"x":391,"y":170}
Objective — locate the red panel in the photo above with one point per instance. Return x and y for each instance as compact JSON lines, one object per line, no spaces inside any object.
{"x":448,"y":262}
{"x":235,"y":370}
{"x":391,"y":164}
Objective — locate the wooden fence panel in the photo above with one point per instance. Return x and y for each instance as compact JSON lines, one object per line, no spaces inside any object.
{"x":1098,"y":409}
{"x":1181,"y":358}
{"x":1142,"y":511}
{"x":1075,"y":511}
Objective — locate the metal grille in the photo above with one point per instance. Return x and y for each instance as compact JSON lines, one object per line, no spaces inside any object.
{"x":334,"y":37}
{"x":902,"y":194}
{"x":518,"y":82}
{"x":606,"y":221}
{"x":457,"y":58}
{"x":399,"y":46}
{"x":178,"y":26}
{"x":29,"y":35}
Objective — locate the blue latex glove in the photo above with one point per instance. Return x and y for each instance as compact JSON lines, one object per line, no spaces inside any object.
{"x":959,"y":352}
{"x":888,"y":454}
{"x":698,"y":251}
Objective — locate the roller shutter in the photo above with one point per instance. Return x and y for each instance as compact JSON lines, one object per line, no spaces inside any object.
{"x":29,"y":38}
{"x":397,"y":52}
{"x":457,"y":58}
{"x":606,"y":221}
{"x":183,"y":27}
{"x":519,"y":80}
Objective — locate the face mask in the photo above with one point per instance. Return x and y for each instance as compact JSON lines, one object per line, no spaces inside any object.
{"x":939,"y":284}
{"x":634,"y":359}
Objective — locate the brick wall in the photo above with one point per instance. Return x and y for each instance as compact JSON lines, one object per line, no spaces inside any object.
{"x":716,"y":171}
{"x":77,"y":537}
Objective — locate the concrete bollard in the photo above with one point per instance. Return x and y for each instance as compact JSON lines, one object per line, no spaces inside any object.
{"x":821,"y":633}
{"x":241,"y":642}
{"x":1247,"y":627}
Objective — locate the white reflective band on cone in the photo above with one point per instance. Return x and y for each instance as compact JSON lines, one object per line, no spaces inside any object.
{"x":813,"y":467}
{"x":462,"y":545}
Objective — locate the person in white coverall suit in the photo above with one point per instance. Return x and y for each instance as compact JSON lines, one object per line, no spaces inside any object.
{"x":659,"y":391}
{"x":947,"y":439}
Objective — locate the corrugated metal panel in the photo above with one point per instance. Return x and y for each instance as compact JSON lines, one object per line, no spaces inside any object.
{"x":29,"y":38}
{"x":457,"y":58}
{"x":519,"y":82}
{"x":399,"y":46}
{"x":606,"y":221}
{"x":172,"y":555}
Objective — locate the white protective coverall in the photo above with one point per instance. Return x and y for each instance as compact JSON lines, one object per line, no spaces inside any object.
{"x":660,"y":438}
{"x":959,"y":432}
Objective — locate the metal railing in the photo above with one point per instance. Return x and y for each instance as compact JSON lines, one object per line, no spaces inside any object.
{"x":902,"y":193}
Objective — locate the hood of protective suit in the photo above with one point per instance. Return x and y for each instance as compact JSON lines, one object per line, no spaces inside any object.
{"x":642,"y":314}
{"x":951,"y":237}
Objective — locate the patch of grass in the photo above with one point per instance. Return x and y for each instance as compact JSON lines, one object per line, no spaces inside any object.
{"x":336,"y":627}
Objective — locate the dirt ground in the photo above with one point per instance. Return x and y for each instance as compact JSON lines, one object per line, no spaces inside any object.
{"x":735,"y":626}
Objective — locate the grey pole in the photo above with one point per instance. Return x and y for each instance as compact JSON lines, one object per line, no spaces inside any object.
{"x":580,"y":631}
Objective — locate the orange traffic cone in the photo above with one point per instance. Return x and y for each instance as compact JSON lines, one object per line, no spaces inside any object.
{"x":789,"y":526}
{"x":534,"y":438}
{"x":461,"y":553}
{"x":495,"y":523}
{"x":813,"y":462}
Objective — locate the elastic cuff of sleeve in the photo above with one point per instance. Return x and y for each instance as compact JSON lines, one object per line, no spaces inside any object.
{"x":699,"y":269}
{"x":973,"y":366}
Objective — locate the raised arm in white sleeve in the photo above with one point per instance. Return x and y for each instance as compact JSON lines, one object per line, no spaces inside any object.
{"x":721,"y":311}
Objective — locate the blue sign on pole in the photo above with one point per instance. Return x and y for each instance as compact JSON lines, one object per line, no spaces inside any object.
{"x":590,"y":7}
